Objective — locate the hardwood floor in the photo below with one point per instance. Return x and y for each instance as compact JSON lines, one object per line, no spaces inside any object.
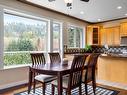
{"x":12,"y":92}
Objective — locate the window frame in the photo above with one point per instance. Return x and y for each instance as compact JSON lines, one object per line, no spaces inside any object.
{"x":82,"y":36}
{"x":24,"y":15}
{"x":60,"y":34}
{"x":1,"y":38}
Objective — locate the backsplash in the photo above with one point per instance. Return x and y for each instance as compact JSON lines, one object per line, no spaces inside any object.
{"x":112,"y":49}
{"x":96,"y":49}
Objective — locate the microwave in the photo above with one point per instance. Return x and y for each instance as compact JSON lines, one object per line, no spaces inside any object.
{"x":123,"y":41}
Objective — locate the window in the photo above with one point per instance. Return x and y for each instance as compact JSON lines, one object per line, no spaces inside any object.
{"x":21,"y":36}
{"x":75,"y":37}
{"x":56,"y":36}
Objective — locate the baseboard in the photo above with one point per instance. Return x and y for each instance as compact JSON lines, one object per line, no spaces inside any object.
{"x":13,"y":86}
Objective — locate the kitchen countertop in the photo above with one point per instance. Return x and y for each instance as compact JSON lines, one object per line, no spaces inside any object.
{"x":115,"y":55}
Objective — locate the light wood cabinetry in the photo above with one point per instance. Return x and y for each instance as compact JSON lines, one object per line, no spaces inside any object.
{"x":106,"y":35}
{"x":109,"y":32}
{"x":110,"y":36}
{"x":112,"y":69}
{"x":92,"y":35}
{"x":89,"y":35}
{"x":123,"y":29}
{"x":116,"y":36}
{"x":103,"y":37}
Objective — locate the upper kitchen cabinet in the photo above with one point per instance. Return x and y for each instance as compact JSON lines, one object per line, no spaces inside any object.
{"x":92,"y":35}
{"x":110,"y":36}
{"x":103,"y":36}
{"x":123,"y":29}
{"x":116,"y":36}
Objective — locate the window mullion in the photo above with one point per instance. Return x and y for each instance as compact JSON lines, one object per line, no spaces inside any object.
{"x":1,"y":38}
{"x":50,"y":37}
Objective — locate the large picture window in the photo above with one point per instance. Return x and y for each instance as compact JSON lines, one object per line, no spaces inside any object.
{"x":75,"y":37}
{"x":21,"y":36}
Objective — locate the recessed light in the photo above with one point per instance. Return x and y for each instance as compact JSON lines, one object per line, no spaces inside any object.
{"x":99,"y":19}
{"x":81,"y":12}
{"x":119,"y":7}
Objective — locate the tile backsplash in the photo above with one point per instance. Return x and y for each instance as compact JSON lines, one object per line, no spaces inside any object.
{"x":97,"y":49}
{"x":112,"y":49}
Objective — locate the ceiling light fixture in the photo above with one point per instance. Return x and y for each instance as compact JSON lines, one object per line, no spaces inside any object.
{"x":82,"y":12}
{"x":99,"y":19}
{"x":125,"y":14}
{"x":69,"y":3}
{"x":119,"y":7}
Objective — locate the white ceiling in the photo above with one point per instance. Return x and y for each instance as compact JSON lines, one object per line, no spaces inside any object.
{"x":93,"y":10}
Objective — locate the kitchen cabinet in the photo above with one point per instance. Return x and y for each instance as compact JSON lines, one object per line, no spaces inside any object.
{"x":112,"y":68}
{"x":103,"y":36}
{"x":92,"y":35}
{"x":116,"y":36}
{"x":110,"y":36}
{"x":109,"y":33}
{"x":89,"y":35}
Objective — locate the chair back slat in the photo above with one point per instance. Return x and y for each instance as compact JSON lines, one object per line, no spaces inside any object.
{"x":54,"y":58}
{"x":91,"y":67}
{"x":37,"y":58}
{"x":76,"y":71}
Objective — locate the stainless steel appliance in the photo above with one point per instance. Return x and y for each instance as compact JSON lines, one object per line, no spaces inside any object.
{"x":123,"y":41}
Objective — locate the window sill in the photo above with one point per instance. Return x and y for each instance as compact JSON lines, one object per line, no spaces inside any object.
{"x":16,"y":66}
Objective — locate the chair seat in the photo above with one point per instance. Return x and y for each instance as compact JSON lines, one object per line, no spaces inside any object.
{"x":44,"y":78}
{"x":65,"y":82}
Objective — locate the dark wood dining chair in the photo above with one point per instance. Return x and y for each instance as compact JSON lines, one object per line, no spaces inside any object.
{"x":75,"y":75}
{"x":54,"y":58}
{"x":89,"y":72}
{"x":39,"y":59}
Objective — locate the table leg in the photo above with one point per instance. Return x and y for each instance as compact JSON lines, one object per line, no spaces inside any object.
{"x":30,"y":80}
{"x":60,"y":90}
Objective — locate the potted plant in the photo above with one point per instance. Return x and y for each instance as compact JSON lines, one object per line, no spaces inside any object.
{"x":88,"y":48}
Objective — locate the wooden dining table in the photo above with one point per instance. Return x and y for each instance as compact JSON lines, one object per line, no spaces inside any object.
{"x":58,"y":70}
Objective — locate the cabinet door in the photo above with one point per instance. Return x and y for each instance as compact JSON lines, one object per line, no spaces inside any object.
{"x":110,"y":36}
{"x":95,"y":35}
{"x":103,"y":37}
{"x":109,"y":33}
{"x":123,"y":31}
{"x":116,"y":36}
{"x":89,"y":35}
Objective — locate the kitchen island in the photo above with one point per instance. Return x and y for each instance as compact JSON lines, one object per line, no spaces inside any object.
{"x":112,"y":68}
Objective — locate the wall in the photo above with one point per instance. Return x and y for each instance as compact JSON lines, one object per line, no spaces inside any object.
{"x":14,"y":76}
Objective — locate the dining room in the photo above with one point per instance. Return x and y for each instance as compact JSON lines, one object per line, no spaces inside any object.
{"x":63,"y":47}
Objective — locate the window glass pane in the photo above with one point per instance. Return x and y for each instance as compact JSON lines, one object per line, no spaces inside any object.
{"x":71,"y":37}
{"x":78,"y":37}
{"x":56,"y":36}
{"x":22,"y":35}
{"x":75,"y":35}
